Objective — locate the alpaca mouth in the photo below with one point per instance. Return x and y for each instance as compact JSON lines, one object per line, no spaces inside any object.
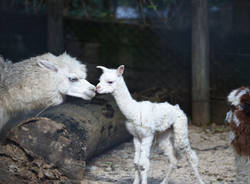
{"x":89,"y":95}
{"x":99,"y":91}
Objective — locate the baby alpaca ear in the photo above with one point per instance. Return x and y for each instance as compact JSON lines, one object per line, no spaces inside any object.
{"x":102,"y":68}
{"x":47,"y":65}
{"x":120,"y":70}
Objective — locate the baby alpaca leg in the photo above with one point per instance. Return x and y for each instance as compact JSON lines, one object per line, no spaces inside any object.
{"x":182,"y":144}
{"x":166,"y":145}
{"x":193,"y":161}
{"x":137,"y":145}
{"x":144,"y":158}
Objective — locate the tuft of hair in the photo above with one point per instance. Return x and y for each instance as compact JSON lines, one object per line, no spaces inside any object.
{"x":4,"y":66}
{"x":66,"y":61}
{"x":235,"y":96}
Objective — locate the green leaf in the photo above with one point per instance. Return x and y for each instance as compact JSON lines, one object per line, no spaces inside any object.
{"x":154,"y":7}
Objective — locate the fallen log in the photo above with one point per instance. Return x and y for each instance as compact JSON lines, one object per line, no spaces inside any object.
{"x":67,"y":136}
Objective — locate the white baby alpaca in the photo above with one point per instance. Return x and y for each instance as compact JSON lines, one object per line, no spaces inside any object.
{"x":144,"y":119}
{"x":40,"y":82}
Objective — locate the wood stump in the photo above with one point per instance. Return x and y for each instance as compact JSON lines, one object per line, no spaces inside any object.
{"x":67,"y":136}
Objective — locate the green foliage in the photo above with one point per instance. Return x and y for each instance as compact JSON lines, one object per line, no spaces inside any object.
{"x":106,"y":9}
{"x":27,"y":6}
{"x":154,"y":7}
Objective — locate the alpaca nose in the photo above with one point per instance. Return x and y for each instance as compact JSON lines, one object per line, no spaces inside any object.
{"x":98,"y":87}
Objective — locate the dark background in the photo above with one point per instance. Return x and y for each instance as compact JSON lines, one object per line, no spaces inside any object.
{"x":154,"y":44}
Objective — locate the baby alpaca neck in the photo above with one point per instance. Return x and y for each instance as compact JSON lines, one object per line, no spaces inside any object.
{"x":124,"y":100}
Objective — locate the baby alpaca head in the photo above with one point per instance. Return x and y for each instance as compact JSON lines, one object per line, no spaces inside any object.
{"x":70,"y":76}
{"x":109,"y":79}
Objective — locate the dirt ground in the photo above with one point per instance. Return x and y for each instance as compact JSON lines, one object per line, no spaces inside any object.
{"x":216,"y":162}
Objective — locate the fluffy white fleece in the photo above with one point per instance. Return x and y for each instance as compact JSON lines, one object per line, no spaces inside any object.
{"x":144,"y":119}
{"x":39,"y":82}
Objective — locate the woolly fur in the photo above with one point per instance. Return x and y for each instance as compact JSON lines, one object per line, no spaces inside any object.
{"x":144,"y":119}
{"x":39,"y":82}
{"x":238,"y":118}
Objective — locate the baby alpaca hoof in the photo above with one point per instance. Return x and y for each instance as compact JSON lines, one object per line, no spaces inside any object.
{"x":136,"y":179}
{"x":164,"y":182}
{"x":136,"y":182}
{"x":201,"y":182}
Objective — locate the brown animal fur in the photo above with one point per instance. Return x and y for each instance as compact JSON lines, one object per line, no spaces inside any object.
{"x":241,"y":142}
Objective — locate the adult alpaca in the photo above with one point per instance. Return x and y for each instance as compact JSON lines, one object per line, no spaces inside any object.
{"x":144,"y":119}
{"x":238,"y":118}
{"x":40,"y":82}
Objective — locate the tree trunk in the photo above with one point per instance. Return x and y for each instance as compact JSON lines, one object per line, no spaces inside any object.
{"x":55,"y":27}
{"x":67,"y":136}
{"x":200,"y":64}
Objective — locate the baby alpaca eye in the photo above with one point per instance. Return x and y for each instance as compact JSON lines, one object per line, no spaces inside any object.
{"x":73,"y":79}
{"x":110,"y":82}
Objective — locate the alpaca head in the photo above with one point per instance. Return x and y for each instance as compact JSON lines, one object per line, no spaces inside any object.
{"x":237,"y":96}
{"x":239,"y":119}
{"x":109,"y":79}
{"x":239,"y":100}
{"x":69,"y":76}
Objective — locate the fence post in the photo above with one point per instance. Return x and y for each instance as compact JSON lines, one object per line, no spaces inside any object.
{"x":55,"y":27}
{"x":200,"y":64}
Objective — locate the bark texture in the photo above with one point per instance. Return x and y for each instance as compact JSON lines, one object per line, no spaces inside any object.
{"x":67,"y":136}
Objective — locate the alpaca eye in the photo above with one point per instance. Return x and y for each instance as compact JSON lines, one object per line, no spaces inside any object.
{"x":110,"y":82}
{"x":73,"y":79}
{"x":232,"y":107}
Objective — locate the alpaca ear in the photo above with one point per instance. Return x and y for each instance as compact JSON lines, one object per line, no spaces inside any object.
{"x":84,"y":71}
{"x":120,"y":70}
{"x":47,"y":65}
{"x":102,"y":68}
